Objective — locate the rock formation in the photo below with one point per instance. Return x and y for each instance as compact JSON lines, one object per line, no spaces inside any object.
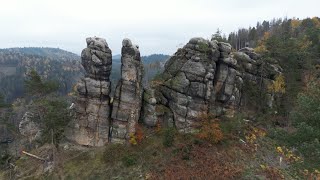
{"x":204,"y":77}
{"x":92,"y":104}
{"x":28,"y":128}
{"x":127,"y":100}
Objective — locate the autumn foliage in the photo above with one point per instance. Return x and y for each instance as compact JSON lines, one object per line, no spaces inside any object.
{"x":137,"y":137}
{"x":208,"y":164}
{"x":278,"y":86}
{"x":210,"y":130}
{"x":272,"y":172}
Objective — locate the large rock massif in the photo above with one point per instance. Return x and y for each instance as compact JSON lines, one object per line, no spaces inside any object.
{"x":204,"y":77}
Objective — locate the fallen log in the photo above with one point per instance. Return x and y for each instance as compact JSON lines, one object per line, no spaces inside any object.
{"x":34,"y":156}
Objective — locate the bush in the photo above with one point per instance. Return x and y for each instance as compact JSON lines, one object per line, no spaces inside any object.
{"x":53,"y":115}
{"x":233,"y":126}
{"x":129,"y":160}
{"x":168,"y":137}
{"x":210,"y":130}
{"x":4,"y":159}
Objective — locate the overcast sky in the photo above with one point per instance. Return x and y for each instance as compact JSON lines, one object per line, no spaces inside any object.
{"x":157,"y":26}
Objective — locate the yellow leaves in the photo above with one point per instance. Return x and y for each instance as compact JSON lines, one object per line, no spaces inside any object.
{"x":259,"y":132}
{"x":137,"y":137}
{"x":251,"y":138}
{"x":261,"y":49}
{"x":295,"y":23}
{"x":288,"y":155}
{"x":266,"y":36}
{"x":279,"y":150}
{"x":311,"y":174}
{"x":272,"y":172}
{"x":148,"y":176}
{"x":278,"y":86}
{"x":304,"y":44}
{"x":316,"y":22}
{"x":263,"y":167}
{"x":132,"y":139}
{"x":254,"y":134}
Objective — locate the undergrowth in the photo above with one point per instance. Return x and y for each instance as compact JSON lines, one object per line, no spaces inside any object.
{"x":222,"y":149}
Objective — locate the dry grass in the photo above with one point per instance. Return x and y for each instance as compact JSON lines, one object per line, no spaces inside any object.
{"x":189,"y":157}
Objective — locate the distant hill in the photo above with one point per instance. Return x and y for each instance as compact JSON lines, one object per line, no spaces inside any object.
{"x":146,"y":59}
{"x":57,"y":64}
{"x":54,"y":53}
{"x":153,"y":64}
{"x":116,"y":57}
{"x":154,"y":57}
{"x":50,"y":63}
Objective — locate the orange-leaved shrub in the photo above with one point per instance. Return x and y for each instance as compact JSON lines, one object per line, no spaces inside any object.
{"x":210,"y":129}
{"x":137,"y":137}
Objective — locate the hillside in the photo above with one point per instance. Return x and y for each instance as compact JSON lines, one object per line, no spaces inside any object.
{"x":153,"y":64}
{"x":242,"y":107}
{"x":54,"y":53}
{"x":54,"y":64}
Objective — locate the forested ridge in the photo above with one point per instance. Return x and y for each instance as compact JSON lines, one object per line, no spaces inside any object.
{"x":55,"y":64}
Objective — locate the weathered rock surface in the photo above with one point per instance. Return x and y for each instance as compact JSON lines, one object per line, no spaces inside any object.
{"x":149,"y":108}
{"x":92,"y":104}
{"x":204,"y":77}
{"x":127,"y":100}
{"x":28,"y":128}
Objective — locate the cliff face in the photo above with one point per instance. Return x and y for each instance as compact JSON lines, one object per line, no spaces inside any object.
{"x":203,"y":77}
